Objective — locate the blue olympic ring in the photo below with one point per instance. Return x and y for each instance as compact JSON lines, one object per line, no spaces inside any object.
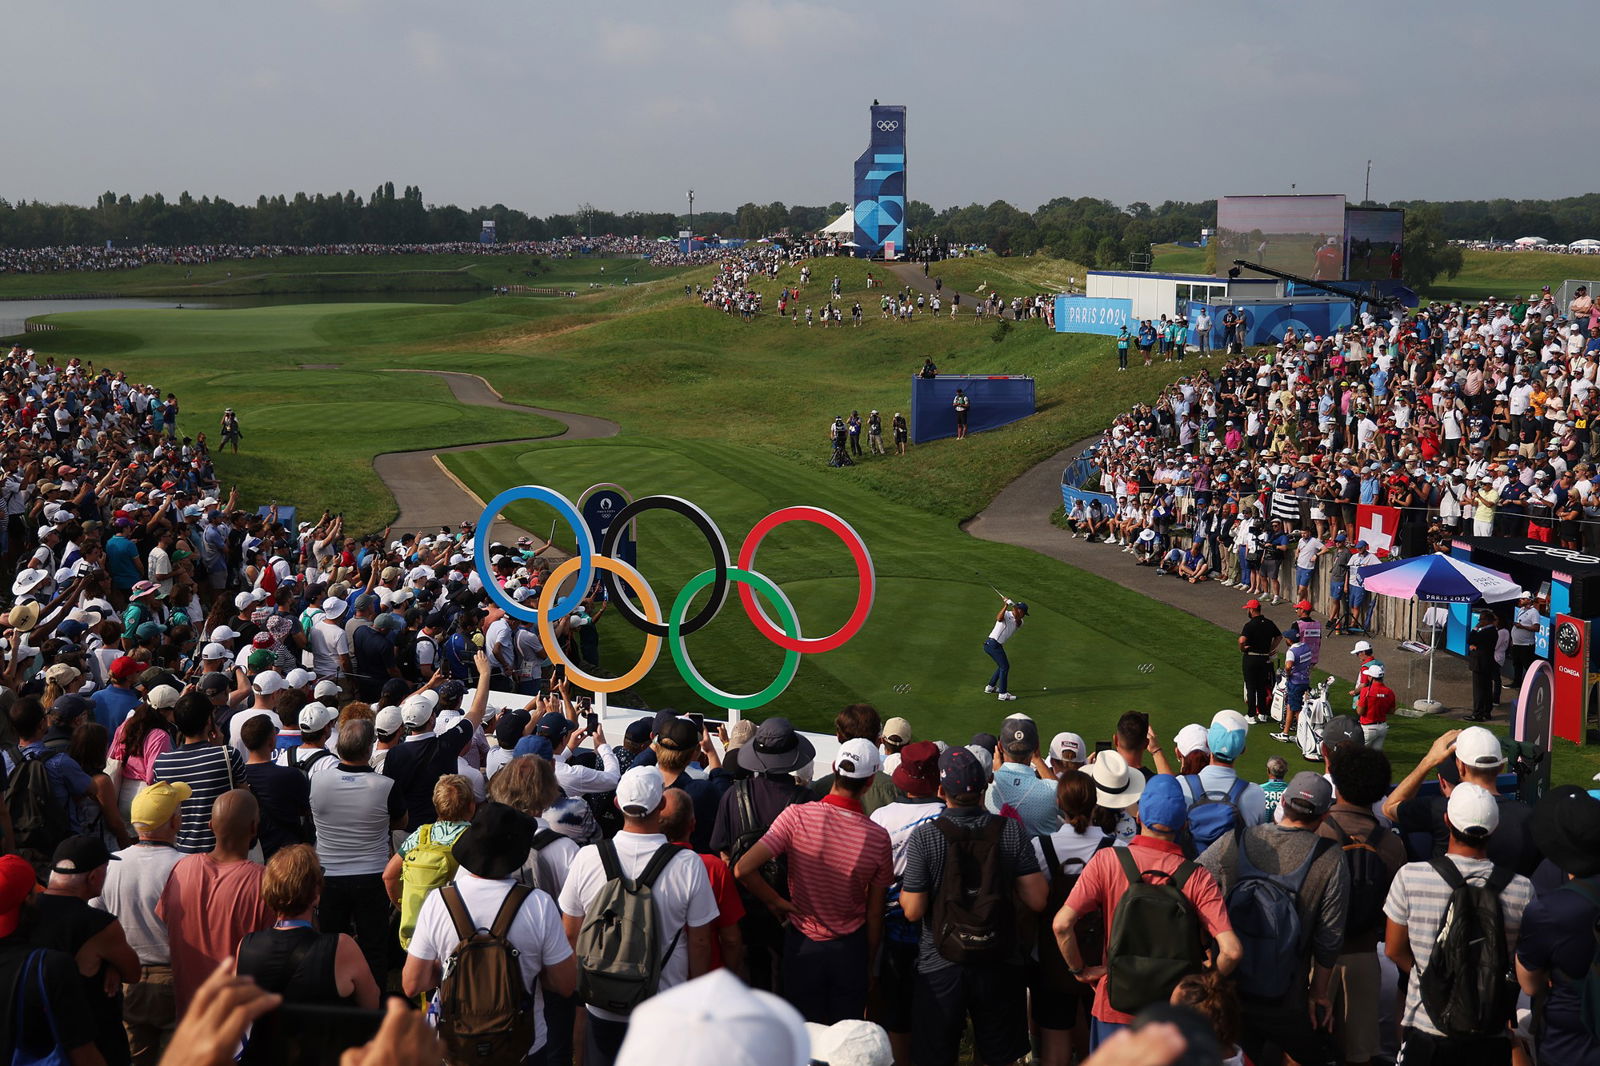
{"x":569,"y":514}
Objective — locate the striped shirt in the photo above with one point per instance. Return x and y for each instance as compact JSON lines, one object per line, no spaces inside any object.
{"x":836,"y":855}
{"x":1417,"y":900}
{"x":209,"y":770}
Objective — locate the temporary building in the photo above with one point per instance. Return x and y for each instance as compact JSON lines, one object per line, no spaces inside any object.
{"x":842,"y":226}
{"x":1529,"y":242}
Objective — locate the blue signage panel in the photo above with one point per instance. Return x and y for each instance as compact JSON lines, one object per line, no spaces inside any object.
{"x":880,"y":185}
{"x":598,"y":510}
{"x":1094,"y":314}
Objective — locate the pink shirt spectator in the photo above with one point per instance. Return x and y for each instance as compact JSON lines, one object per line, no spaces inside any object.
{"x":139,"y":764}
{"x":208,"y":907}
{"x":836,"y":855}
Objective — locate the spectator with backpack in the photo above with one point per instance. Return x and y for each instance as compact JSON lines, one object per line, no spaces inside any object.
{"x":1557,"y":952}
{"x":47,"y":1018}
{"x":424,"y":861}
{"x":1058,"y":999}
{"x":1470,"y":755}
{"x":841,"y":865}
{"x":1287,"y":889}
{"x":43,"y":787}
{"x":966,"y":873}
{"x":491,"y":946}
{"x":1459,"y":995}
{"x":746,"y":811}
{"x":916,"y":776}
{"x":639,"y":912}
{"x":1221,"y":801}
{"x":1372,"y":857}
{"x":312,"y":757}
{"x":1159,"y":910}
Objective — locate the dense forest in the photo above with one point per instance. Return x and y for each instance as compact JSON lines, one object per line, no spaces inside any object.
{"x":1086,"y":230}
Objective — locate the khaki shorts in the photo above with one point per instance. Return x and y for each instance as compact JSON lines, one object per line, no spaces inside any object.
{"x":1357,"y":984}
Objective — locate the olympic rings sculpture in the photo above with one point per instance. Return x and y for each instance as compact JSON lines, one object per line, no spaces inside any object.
{"x":673,"y":627}
{"x":888,"y":126}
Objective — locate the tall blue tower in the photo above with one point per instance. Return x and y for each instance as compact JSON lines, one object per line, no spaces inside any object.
{"x":880,"y":197}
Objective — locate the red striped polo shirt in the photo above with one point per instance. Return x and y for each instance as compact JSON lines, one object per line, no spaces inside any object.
{"x":836,"y":854}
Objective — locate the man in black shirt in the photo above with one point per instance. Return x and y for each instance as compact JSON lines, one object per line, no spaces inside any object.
{"x":48,"y":1011}
{"x":1258,"y":639}
{"x":417,"y":764}
{"x":284,"y":793}
{"x":1473,"y":755}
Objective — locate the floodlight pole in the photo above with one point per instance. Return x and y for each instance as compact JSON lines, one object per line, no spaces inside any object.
{"x":691,"y":214}
{"x":1366,"y":196}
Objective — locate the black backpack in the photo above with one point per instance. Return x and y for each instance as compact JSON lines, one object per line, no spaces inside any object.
{"x":1369,"y":881}
{"x":1468,"y":988}
{"x":1090,"y":929}
{"x":405,"y":655}
{"x":775,"y":871}
{"x":38,"y":822}
{"x":1265,"y":911}
{"x":971,"y":917}
{"x":1155,"y":937}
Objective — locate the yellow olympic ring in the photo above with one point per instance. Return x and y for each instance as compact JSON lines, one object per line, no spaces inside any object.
{"x":652,"y":611}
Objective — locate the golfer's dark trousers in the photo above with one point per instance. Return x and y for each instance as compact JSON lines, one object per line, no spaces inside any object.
{"x":1521,"y":659}
{"x":358,"y":904}
{"x":825,"y":980}
{"x":1257,"y":685}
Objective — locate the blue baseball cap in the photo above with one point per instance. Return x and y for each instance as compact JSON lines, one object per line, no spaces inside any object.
{"x":535,"y":745}
{"x":554,"y":725}
{"x":960,"y":774}
{"x":1227,"y":735}
{"x":1163,"y":805}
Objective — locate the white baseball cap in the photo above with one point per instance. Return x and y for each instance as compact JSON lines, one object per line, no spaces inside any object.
{"x":1472,"y":810}
{"x":1361,"y":646}
{"x":639,"y":791}
{"x":387,"y":723}
{"x":747,"y":1027}
{"x":1192,"y":737}
{"x":162,"y":696}
{"x":315,"y":717}
{"x":222,"y":633}
{"x":1068,"y":747}
{"x":267,"y":682}
{"x":852,"y":1042}
{"x":415,"y":711}
{"x":299,"y":677}
{"x":1479,"y":748}
{"x":326,"y":689}
{"x":243,"y":601}
{"x":214,"y":651}
{"x":1373,"y":670}
{"x":857,"y":759}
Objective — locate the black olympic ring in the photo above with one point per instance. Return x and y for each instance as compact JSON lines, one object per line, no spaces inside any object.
{"x":719,"y":562}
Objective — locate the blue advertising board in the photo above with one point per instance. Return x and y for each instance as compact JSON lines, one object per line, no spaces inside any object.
{"x":880,"y":185}
{"x":1093,"y":314}
{"x":994,"y":400}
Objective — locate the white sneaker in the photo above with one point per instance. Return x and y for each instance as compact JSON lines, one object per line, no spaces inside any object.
{"x":1281,"y":737}
{"x":988,"y":688}
{"x":1005,"y":696}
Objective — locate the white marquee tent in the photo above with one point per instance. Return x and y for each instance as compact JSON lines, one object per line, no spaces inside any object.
{"x":843,"y":226}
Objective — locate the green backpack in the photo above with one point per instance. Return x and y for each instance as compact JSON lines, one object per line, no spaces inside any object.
{"x":1155,"y":937}
{"x":428,"y":866}
{"x":619,"y":944}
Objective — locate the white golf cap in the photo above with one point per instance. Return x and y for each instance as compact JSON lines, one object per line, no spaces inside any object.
{"x":222,"y":633}
{"x":747,"y":1027}
{"x":326,"y":689}
{"x":299,"y":677}
{"x":388,"y":722}
{"x":1192,"y":737}
{"x":1472,"y":810}
{"x":1479,"y":748}
{"x":267,"y":682}
{"x":317,"y":716}
{"x":214,"y":651}
{"x":857,"y":759}
{"x":415,"y":712}
{"x":1373,"y":670}
{"x":639,"y":791}
{"x":1068,"y":747}
{"x":1361,"y":646}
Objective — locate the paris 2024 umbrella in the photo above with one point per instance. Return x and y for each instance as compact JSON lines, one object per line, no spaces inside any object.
{"x":1438,"y":578}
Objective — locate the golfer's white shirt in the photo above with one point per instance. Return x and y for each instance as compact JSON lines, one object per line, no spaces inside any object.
{"x":1003,"y":629}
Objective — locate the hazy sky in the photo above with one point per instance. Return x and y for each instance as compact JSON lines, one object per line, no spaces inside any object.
{"x":541,"y":104}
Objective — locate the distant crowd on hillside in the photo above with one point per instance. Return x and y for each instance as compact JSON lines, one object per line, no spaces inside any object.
{"x":129,"y":257}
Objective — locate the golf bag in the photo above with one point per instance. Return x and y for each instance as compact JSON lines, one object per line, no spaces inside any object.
{"x":1314,"y":714}
{"x":1280,"y":696}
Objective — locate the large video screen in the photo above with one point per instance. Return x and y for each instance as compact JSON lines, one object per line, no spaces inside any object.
{"x":1301,"y":235}
{"x":1372,"y":237}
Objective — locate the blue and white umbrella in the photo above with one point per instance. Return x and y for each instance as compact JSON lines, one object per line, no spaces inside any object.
{"x":1438,"y":578}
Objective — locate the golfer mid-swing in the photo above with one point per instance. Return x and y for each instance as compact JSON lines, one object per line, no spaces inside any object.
{"x":1006,"y":623}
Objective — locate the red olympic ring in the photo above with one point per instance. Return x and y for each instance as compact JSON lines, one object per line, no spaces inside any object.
{"x":866,"y":576}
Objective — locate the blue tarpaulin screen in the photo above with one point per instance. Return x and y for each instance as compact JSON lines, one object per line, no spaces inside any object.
{"x":995,"y":400}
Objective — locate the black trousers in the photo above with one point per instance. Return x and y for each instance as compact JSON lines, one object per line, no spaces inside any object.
{"x":1284,"y":1026}
{"x":1418,"y":1048}
{"x":1521,"y":659}
{"x":826,"y":980}
{"x":358,"y":905}
{"x":1483,"y":686}
{"x":1257,"y":686}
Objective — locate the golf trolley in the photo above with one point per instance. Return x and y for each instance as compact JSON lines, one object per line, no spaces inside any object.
{"x":1314,"y":714}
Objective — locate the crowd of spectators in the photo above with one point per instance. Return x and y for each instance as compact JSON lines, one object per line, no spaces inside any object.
{"x":253,"y":773}
{"x":1471,"y":419}
{"x":55,"y":259}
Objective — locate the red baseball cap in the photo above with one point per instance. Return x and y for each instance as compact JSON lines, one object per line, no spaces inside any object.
{"x":1252,"y":605}
{"x":123,"y":667}
{"x":1303,"y":605}
{"x":17,"y":883}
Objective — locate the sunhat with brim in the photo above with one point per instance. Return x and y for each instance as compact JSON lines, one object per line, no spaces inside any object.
{"x":1117,"y":784}
{"x":777,"y":748}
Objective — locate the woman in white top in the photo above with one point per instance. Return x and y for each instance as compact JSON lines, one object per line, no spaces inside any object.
{"x":1006,"y":623}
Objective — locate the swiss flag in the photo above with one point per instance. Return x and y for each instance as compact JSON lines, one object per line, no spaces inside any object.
{"x":1377,"y":526}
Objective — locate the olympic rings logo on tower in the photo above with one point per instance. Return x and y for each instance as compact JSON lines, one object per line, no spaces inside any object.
{"x":786,"y":633}
{"x":888,"y":125}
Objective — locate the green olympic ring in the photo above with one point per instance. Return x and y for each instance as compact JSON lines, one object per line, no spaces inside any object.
{"x":691,"y":674}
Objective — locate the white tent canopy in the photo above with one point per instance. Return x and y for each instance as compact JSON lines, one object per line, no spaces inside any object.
{"x":1529,"y":241}
{"x":1587,"y":242}
{"x":842,"y":226}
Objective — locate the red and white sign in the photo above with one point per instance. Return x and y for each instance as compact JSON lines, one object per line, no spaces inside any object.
{"x":1378,"y":526}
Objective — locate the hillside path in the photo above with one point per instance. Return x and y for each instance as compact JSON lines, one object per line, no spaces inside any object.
{"x":429,"y":497}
